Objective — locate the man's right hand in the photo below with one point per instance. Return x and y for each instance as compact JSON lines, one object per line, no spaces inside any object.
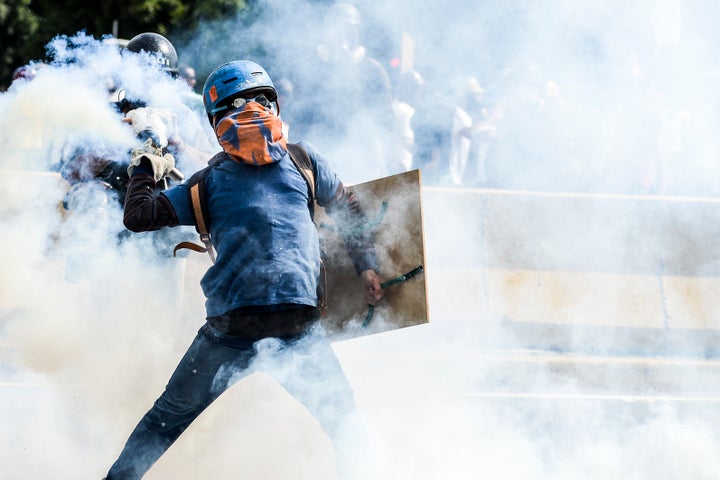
{"x":162,"y":164}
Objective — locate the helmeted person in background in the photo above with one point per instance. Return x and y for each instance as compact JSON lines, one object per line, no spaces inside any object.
{"x":98,"y":176}
{"x":262,"y":290}
{"x":188,"y":140}
{"x":344,"y":102}
{"x":174,"y":127}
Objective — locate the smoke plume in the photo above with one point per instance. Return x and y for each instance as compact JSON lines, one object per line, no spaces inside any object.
{"x":601,"y":110}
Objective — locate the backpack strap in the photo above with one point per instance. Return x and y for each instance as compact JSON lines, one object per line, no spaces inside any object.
{"x":301,"y":159}
{"x":196,"y":193}
{"x":198,"y":199}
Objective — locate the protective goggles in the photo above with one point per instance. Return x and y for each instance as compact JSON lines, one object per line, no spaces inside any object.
{"x":259,"y":98}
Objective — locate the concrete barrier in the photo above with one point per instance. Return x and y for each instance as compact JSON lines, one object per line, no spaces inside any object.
{"x":602,"y":260}
{"x":530,"y":258}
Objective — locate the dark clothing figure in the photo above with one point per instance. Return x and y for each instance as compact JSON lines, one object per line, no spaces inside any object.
{"x":262,"y":291}
{"x":304,"y":364}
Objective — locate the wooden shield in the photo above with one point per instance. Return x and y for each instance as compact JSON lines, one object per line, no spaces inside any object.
{"x":394,"y":209}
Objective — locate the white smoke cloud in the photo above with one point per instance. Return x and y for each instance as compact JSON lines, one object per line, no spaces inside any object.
{"x":85,"y":351}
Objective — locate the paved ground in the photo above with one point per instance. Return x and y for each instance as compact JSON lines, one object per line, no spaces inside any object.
{"x":440,"y":399}
{"x":468,"y":396}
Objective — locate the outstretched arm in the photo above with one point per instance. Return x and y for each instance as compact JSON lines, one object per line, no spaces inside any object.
{"x":347,"y":212}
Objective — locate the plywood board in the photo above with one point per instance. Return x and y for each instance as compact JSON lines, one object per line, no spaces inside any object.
{"x":393,"y":206}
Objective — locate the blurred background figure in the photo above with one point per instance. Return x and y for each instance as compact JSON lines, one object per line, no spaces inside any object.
{"x":193,"y":99}
{"x":148,"y":103}
{"x":182,"y":132}
{"x":344,"y":100}
{"x":285,"y":98}
{"x":187,"y":73}
{"x":408,"y":93}
{"x":431,"y":130}
{"x":18,"y":145}
{"x":472,"y":132}
{"x":26,"y":72}
{"x":514,"y":158}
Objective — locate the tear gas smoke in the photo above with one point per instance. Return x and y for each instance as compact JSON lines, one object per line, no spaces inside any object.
{"x":614,"y":98}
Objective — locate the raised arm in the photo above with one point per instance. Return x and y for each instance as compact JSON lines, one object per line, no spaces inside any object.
{"x":146,"y":208}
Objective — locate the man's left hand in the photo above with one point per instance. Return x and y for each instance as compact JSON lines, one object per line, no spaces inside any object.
{"x":373,"y":290}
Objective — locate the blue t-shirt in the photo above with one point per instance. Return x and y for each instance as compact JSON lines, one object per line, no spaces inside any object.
{"x":260,"y":225}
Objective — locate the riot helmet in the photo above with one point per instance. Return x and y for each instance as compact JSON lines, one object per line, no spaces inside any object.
{"x":239,"y":79}
{"x":25,"y":72}
{"x":156,"y":44}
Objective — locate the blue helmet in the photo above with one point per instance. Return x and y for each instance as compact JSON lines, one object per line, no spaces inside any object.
{"x":232,"y":79}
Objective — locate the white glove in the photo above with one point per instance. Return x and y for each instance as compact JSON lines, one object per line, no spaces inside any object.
{"x":156,"y":123}
{"x":162,"y":164}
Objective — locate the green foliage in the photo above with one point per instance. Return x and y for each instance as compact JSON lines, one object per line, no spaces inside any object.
{"x":18,"y":26}
{"x":219,"y":38}
{"x":27,"y":26}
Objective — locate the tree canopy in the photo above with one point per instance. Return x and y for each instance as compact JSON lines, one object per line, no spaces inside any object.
{"x":27,"y":26}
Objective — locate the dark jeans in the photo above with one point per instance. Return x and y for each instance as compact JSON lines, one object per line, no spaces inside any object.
{"x":305,"y":365}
